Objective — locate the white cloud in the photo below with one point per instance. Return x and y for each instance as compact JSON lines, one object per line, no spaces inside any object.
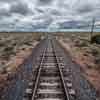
{"x":46,"y":14}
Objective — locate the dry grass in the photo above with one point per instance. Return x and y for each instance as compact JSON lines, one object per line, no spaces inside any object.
{"x":81,"y":44}
{"x":12,"y":43}
{"x":85,"y":54}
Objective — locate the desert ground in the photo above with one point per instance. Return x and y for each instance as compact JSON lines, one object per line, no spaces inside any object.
{"x":84,"y":53}
{"x":14,"y":49}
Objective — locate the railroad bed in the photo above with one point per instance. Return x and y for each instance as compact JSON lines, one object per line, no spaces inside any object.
{"x":50,"y":80}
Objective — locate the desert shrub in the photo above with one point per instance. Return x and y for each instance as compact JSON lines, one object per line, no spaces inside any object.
{"x":9,"y":48}
{"x":2,"y":44}
{"x":97,"y":60}
{"x":14,"y":44}
{"x":96,"y":39}
{"x":8,"y":51}
{"x":6,"y":54}
{"x":27,"y":43}
{"x":97,"y":66}
{"x":94,"y":52}
{"x":83,"y":44}
{"x":38,"y":39}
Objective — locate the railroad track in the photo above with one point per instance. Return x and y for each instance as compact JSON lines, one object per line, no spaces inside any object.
{"x":50,"y":81}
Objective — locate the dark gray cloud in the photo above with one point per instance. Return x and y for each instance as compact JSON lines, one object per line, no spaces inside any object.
{"x":39,"y":10}
{"x":85,"y":8}
{"x":5,"y":0}
{"x":56,"y":12}
{"x":44,"y":2}
{"x":19,"y":8}
{"x":4,"y":13}
{"x":8,"y":1}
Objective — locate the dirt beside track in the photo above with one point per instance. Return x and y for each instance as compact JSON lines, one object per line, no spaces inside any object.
{"x":13,"y":65}
{"x":86,"y":62}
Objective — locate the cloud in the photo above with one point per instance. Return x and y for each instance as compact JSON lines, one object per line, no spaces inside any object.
{"x":55,"y":12}
{"x":47,"y":14}
{"x":4,"y":13}
{"x":39,"y":10}
{"x":4,"y":10}
{"x":44,"y":2}
{"x":7,"y":0}
{"x":85,"y":8}
{"x":20,"y":8}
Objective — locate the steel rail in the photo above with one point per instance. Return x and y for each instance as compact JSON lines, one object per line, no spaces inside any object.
{"x":61,"y":74}
{"x":38,"y":76}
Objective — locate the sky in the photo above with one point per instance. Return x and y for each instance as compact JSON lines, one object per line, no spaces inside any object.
{"x":48,"y":15}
